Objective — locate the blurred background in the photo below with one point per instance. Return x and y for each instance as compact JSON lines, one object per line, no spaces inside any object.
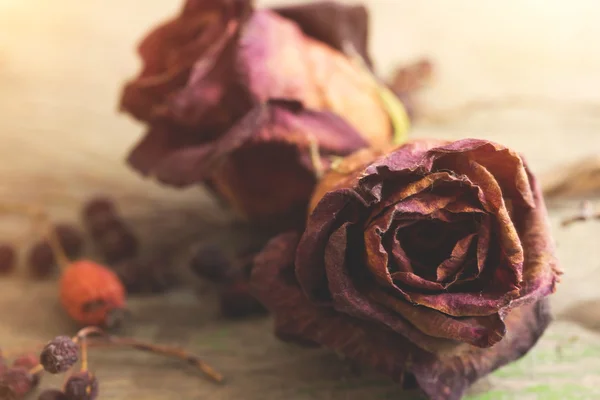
{"x":525,"y":73}
{"x":522,"y":72}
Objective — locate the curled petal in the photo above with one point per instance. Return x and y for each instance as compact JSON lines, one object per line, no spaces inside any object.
{"x":446,"y":377}
{"x":358,"y":298}
{"x":310,"y":265}
{"x":276,"y":133}
{"x":541,"y":272}
{"x":275,"y":60}
{"x":452,"y":265}
{"x":171,"y":51}
{"x":332,"y":23}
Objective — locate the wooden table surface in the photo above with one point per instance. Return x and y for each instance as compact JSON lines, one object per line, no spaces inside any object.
{"x":527,"y":69}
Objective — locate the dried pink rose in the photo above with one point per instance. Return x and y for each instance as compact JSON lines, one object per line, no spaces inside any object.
{"x":430,"y":263}
{"x":237,"y":98}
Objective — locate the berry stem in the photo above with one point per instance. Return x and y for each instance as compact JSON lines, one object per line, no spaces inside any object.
{"x":169,"y":351}
{"x":37,"y":369}
{"x":87,"y":331}
{"x":182,"y":354}
{"x":84,"y":354}
{"x":41,"y":218}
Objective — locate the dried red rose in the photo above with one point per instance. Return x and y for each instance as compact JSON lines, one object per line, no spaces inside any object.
{"x":236,"y":98}
{"x":417,"y":262}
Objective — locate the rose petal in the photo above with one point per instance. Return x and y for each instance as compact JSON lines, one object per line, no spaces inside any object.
{"x":275,"y":60}
{"x":351,"y":299}
{"x":310,"y":268}
{"x":504,"y":164}
{"x":483,"y":242}
{"x":460,"y":304}
{"x":157,"y":145}
{"x":446,"y":377}
{"x":412,"y":189}
{"x":399,"y":256}
{"x":512,"y":250}
{"x":298,"y":319}
{"x":269,"y":267}
{"x":540,"y":270}
{"x":275,"y":122}
{"x":416,"y":282}
{"x":196,"y":37}
{"x":452,"y":265}
{"x":332,"y":23}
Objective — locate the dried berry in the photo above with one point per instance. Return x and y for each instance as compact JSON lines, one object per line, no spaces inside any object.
{"x":70,"y":238}
{"x":236,"y":301}
{"x":8,"y":258}
{"x":41,"y":260}
{"x":15,"y":383}
{"x":82,"y":386}
{"x":52,"y":394}
{"x":146,"y":276}
{"x":99,"y":213}
{"x":89,"y":291}
{"x":111,"y":235}
{"x":29,"y":361}
{"x":60,"y":354}
{"x":210,"y":262}
{"x":117,"y":243}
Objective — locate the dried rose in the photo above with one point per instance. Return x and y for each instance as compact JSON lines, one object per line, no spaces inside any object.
{"x":417,"y":262}
{"x":238,"y":98}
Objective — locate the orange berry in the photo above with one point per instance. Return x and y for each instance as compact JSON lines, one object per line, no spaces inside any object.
{"x":90,"y":291}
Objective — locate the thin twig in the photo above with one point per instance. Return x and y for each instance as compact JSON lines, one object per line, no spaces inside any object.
{"x":170,"y":352}
{"x":586,"y":213}
{"x":145,"y":346}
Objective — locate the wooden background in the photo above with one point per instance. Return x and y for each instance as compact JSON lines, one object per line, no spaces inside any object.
{"x":522,"y":72}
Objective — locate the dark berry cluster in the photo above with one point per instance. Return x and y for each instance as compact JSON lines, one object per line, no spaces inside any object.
{"x":41,"y":258}
{"x":20,"y":378}
{"x":59,"y":356}
{"x":112,"y":236}
{"x":153,"y":275}
{"x":210,"y":262}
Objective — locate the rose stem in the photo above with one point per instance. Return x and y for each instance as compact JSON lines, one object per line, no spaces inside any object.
{"x":150,"y":347}
{"x":315,"y":157}
{"x":586,"y":213}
